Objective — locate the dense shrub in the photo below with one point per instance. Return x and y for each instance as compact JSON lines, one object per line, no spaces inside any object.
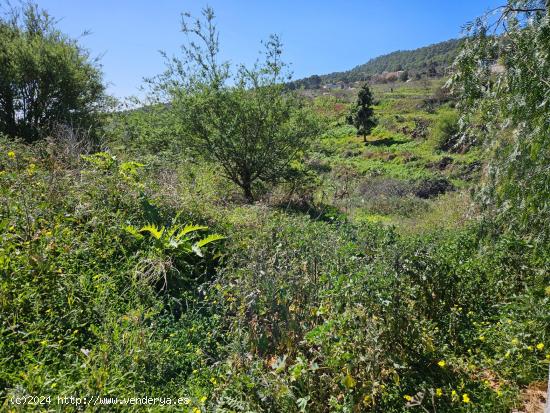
{"x":429,"y":188}
{"x":509,"y":109}
{"x":376,"y":322}
{"x":46,"y":78}
{"x":90,"y":304}
{"x":342,"y":131}
{"x":446,"y":131}
{"x":153,"y":132}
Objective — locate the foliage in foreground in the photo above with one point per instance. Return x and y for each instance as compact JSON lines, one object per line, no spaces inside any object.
{"x":509,"y":111}
{"x":381,"y":323}
{"x":98,"y":285}
{"x":103,"y":292}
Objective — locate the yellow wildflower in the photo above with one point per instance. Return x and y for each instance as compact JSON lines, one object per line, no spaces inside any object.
{"x":196,"y":410}
{"x":203,"y":399}
{"x":540,"y":346}
{"x":367,"y":400}
{"x":441,"y":363}
{"x":11,"y":154}
{"x":481,"y":338}
{"x":515,"y":341}
{"x":465,"y":398}
{"x":407,"y":397}
{"x":213,"y":381}
{"x":439,"y":392}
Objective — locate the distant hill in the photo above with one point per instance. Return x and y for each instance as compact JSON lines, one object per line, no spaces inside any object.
{"x":431,"y":61}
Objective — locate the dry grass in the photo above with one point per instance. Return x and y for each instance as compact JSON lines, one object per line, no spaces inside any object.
{"x":534,"y":398}
{"x":448,"y":211}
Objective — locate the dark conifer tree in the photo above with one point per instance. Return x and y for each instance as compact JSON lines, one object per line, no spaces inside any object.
{"x":362,"y":116}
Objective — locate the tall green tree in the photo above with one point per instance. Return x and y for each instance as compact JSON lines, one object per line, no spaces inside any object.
{"x":241,"y":118}
{"x":46,"y":78}
{"x":502,"y":78}
{"x":362,"y":115}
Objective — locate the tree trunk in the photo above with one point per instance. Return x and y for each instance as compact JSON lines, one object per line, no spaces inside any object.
{"x":9,"y":116}
{"x":246,"y":185}
{"x":247,"y":189}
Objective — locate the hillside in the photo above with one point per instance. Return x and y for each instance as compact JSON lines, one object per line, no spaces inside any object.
{"x":431,"y":61}
{"x":246,"y":248}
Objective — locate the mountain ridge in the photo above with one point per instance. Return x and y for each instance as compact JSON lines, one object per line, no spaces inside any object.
{"x":426,"y":61}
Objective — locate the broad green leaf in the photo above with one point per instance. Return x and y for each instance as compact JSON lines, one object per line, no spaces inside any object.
{"x":134,"y":231}
{"x":209,"y":239}
{"x":190,"y":228}
{"x":153,"y":230}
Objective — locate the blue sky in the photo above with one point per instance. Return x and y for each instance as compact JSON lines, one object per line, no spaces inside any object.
{"x":320,"y":36}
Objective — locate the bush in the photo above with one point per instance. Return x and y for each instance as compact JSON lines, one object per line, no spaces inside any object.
{"x":152,"y":131}
{"x":90,"y":304}
{"x":338,"y":132}
{"x":446,"y":131}
{"x":46,"y":78}
{"x":429,"y":188}
{"x":376,"y":322}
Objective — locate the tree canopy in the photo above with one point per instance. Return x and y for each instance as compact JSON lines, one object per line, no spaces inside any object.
{"x":46,"y":78}
{"x":362,"y":116}
{"x":509,"y":111}
{"x":241,"y":118}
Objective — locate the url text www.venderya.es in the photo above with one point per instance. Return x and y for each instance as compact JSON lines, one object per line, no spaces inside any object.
{"x":99,"y":400}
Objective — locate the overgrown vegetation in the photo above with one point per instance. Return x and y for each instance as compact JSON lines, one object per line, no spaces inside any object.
{"x":407,"y":271}
{"x":508,"y":110}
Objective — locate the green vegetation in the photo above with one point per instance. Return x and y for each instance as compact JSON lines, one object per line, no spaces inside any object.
{"x":429,"y":61}
{"x":446,"y":131}
{"x":362,"y":116}
{"x":245,"y":123}
{"x":508,"y":111}
{"x":407,"y":271}
{"x":46,"y":78}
